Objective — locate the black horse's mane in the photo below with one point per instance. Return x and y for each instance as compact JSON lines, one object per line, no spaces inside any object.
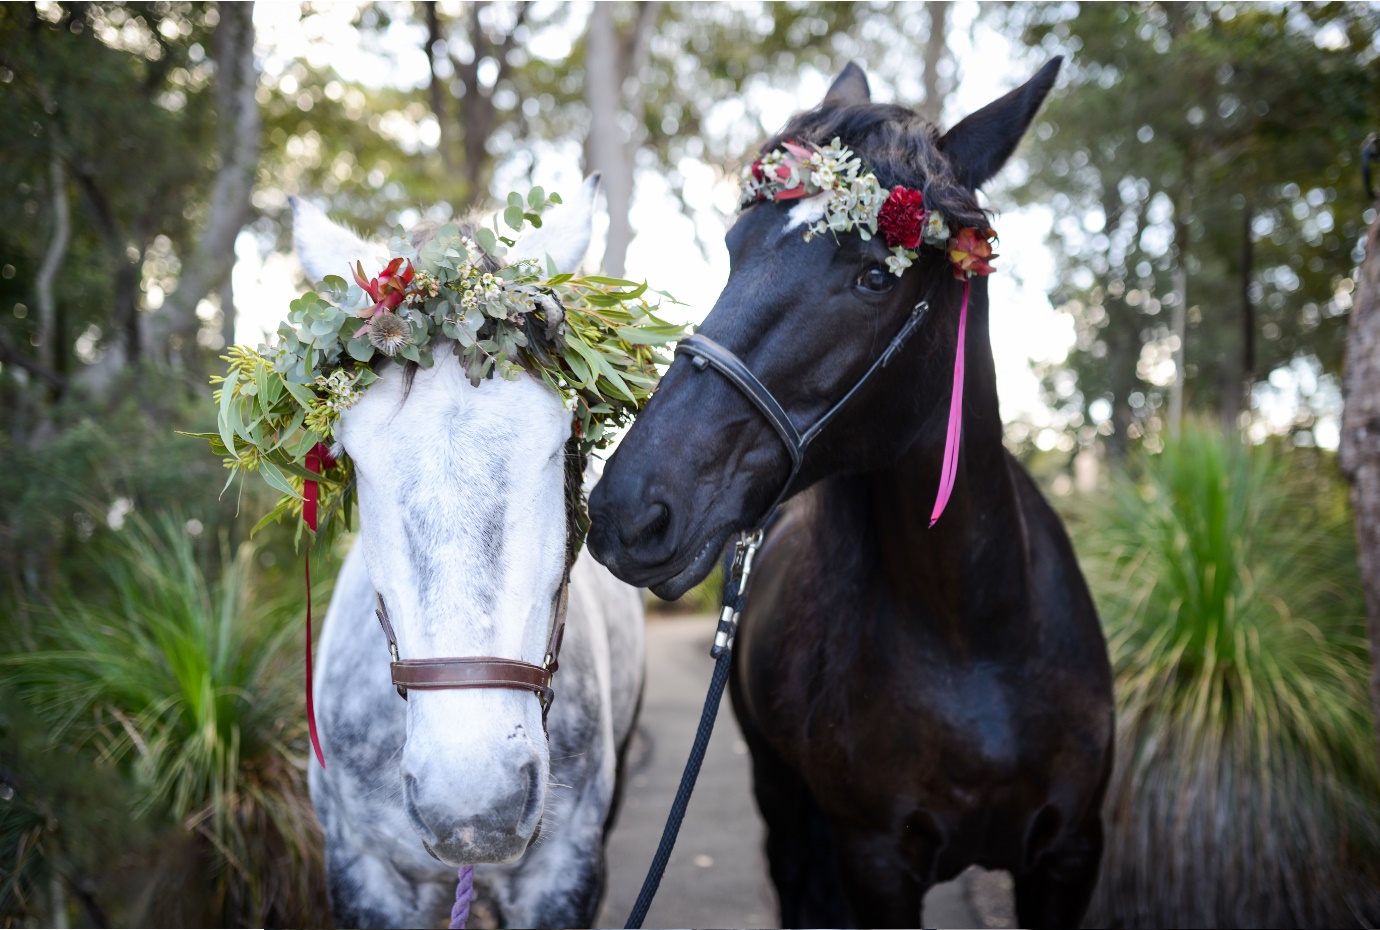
{"x":898,"y":144}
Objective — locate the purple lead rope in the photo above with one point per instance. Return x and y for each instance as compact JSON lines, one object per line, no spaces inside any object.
{"x":464,"y":894}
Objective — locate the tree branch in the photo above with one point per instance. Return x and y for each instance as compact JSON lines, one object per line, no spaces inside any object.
{"x":13,"y":355}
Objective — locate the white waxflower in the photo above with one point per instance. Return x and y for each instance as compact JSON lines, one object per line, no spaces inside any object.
{"x":899,"y":260}
{"x":935,"y":232}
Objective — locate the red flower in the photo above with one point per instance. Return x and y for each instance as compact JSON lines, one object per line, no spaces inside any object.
{"x":389,"y":289}
{"x":757,"y":173}
{"x":969,"y":251}
{"x":902,"y":217}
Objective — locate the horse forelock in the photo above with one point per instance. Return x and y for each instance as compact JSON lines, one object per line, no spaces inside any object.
{"x":898,"y":145}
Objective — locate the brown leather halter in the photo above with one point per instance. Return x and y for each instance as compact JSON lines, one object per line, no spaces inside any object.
{"x":479,"y":671}
{"x":492,"y":671}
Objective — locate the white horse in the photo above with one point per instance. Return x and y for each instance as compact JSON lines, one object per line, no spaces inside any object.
{"x":462,"y":529}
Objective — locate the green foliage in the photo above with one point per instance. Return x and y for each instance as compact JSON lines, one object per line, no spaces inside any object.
{"x":122,"y":95}
{"x":188,"y":684}
{"x":592,"y":339}
{"x":1246,"y":790}
{"x":1241,"y":121}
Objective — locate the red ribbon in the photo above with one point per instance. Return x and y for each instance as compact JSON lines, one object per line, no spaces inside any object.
{"x":318,"y":459}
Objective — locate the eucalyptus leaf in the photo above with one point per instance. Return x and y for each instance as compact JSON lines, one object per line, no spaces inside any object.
{"x":276,"y":479}
{"x":361,"y":349}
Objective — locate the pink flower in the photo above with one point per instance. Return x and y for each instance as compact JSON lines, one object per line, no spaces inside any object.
{"x":387,"y":290}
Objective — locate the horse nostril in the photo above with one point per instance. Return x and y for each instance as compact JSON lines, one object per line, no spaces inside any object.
{"x":414,"y":815}
{"x":533,"y":802}
{"x":650,"y":526}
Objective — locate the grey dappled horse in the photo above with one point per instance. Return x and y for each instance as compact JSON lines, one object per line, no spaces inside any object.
{"x":462,"y":529}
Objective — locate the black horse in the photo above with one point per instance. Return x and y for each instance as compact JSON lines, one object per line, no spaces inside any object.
{"x":916,"y":700}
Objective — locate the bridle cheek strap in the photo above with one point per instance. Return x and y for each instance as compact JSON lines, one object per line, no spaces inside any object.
{"x":706,"y":353}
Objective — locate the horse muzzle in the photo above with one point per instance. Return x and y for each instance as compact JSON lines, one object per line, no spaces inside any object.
{"x":478,"y":817}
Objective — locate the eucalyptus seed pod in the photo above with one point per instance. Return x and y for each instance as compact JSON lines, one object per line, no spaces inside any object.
{"x":388,"y":333}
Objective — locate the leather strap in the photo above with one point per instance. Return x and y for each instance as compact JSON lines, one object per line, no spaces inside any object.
{"x":479,"y":671}
{"x":705,"y":352}
{"x":471,"y":672}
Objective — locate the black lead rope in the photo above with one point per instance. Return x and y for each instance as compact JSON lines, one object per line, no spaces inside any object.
{"x":735,"y":594}
{"x":705,"y":353}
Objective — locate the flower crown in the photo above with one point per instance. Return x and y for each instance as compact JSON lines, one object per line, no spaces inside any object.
{"x":592,"y":339}
{"x":857,"y":201}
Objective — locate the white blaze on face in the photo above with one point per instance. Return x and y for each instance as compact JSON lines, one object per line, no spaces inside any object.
{"x":807,"y":211}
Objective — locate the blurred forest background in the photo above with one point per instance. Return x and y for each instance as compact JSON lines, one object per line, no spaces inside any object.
{"x":1195,"y":177}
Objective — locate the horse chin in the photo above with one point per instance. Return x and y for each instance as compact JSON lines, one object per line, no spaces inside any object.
{"x":698,"y":569}
{"x":509,"y":853}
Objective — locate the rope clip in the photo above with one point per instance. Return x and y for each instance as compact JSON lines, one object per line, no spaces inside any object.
{"x":735,"y":592}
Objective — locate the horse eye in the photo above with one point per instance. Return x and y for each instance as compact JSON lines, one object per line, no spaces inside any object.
{"x":876,"y":280}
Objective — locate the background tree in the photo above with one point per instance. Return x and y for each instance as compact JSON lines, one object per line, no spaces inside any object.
{"x":1195,"y":158}
{"x":1360,"y":448}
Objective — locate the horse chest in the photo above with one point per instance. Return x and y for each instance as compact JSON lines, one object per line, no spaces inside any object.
{"x":878,"y":718}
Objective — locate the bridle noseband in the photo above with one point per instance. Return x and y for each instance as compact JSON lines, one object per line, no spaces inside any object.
{"x":706,"y":353}
{"x":460,"y":672}
{"x":479,"y":671}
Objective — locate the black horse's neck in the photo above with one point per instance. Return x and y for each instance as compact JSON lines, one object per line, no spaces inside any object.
{"x":970,"y":567}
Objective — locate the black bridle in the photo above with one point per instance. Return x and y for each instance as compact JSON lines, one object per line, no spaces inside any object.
{"x":706,"y":353}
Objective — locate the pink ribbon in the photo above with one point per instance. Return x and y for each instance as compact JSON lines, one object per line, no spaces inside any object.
{"x":949,"y":472}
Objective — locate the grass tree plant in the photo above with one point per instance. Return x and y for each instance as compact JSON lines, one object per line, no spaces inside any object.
{"x":188,"y":681}
{"x":1246,"y":790}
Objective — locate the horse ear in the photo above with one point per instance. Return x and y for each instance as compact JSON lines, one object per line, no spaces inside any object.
{"x":324,"y":247}
{"x":565,"y":232}
{"x":849,"y":88}
{"x":979,"y":145}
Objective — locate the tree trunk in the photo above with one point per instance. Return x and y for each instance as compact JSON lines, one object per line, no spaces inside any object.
{"x":227,"y":309}
{"x":605,"y":145}
{"x":1238,"y":369}
{"x":1360,"y":446}
{"x":437,"y":92}
{"x":476,"y":112}
{"x":936,"y":46}
{"x":214,"y":255}
{"x":613,"y":63}
{"x":1180,"y":314}
{"x":49,"y":353}
{"x":478,"y":115}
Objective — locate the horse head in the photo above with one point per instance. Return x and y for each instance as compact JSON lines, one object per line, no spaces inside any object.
{"x":463,"y":529}
{"x":808,"y":318}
